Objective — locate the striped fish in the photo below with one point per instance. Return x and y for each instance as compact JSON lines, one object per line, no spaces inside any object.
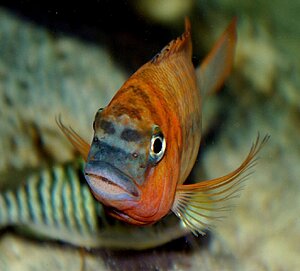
{"x":56,"y":203}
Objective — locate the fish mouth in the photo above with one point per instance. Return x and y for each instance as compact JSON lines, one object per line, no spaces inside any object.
{"x":110,"y":183}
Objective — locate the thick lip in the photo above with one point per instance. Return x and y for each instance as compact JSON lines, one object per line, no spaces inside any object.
{"x":110,"y":183}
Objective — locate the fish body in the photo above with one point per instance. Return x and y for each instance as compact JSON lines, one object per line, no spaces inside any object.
{"x":147,"y":138}
{"x":155,"y":101}
{"x":55,"y":203}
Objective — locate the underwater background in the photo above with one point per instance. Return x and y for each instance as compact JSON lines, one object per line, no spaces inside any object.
{"x":71,"y":60}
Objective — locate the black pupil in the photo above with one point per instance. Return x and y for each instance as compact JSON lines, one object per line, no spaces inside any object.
{"x":157,"y":145}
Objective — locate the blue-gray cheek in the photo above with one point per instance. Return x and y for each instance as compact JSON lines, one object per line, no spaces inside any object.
{"x":131,"y":164}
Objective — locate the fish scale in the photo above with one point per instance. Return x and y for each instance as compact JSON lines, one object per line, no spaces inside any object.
{"x":56,"y":203}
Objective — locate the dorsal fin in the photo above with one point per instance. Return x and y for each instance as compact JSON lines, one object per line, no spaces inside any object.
{"x":182,"y":43}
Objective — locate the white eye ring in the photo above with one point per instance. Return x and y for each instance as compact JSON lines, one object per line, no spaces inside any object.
{"x":157,"y":146}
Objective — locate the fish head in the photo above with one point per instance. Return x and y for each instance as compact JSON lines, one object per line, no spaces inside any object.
{"x":134,"y":162}
{"x":121,"y":156}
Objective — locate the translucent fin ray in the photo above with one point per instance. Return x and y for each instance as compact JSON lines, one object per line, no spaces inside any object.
{"x":76,"y":140}
{"x":200,"y":205}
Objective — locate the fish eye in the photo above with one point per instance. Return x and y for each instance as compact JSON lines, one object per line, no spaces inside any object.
{"x":157,"y":145}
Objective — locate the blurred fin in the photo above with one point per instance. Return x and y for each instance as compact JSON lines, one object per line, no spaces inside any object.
{"x":216,"y":67}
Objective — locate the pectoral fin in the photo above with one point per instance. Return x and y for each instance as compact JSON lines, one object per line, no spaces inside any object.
{"x":200,"y":205}
{"x":76,"y":140}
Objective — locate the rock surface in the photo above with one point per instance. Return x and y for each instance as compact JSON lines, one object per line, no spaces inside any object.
{"x":43,"y":76}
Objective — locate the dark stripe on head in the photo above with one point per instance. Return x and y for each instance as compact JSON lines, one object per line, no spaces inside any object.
{"x":142,"y":94}
{"x":135,"y":104}
{"x":119,"y":110}
{"x":146,"y":98}
{"x":131,"y":135}
{"x":107,"y":127}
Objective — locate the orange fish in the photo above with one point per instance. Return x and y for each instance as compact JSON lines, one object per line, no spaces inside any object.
{"x":147,"y":138}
